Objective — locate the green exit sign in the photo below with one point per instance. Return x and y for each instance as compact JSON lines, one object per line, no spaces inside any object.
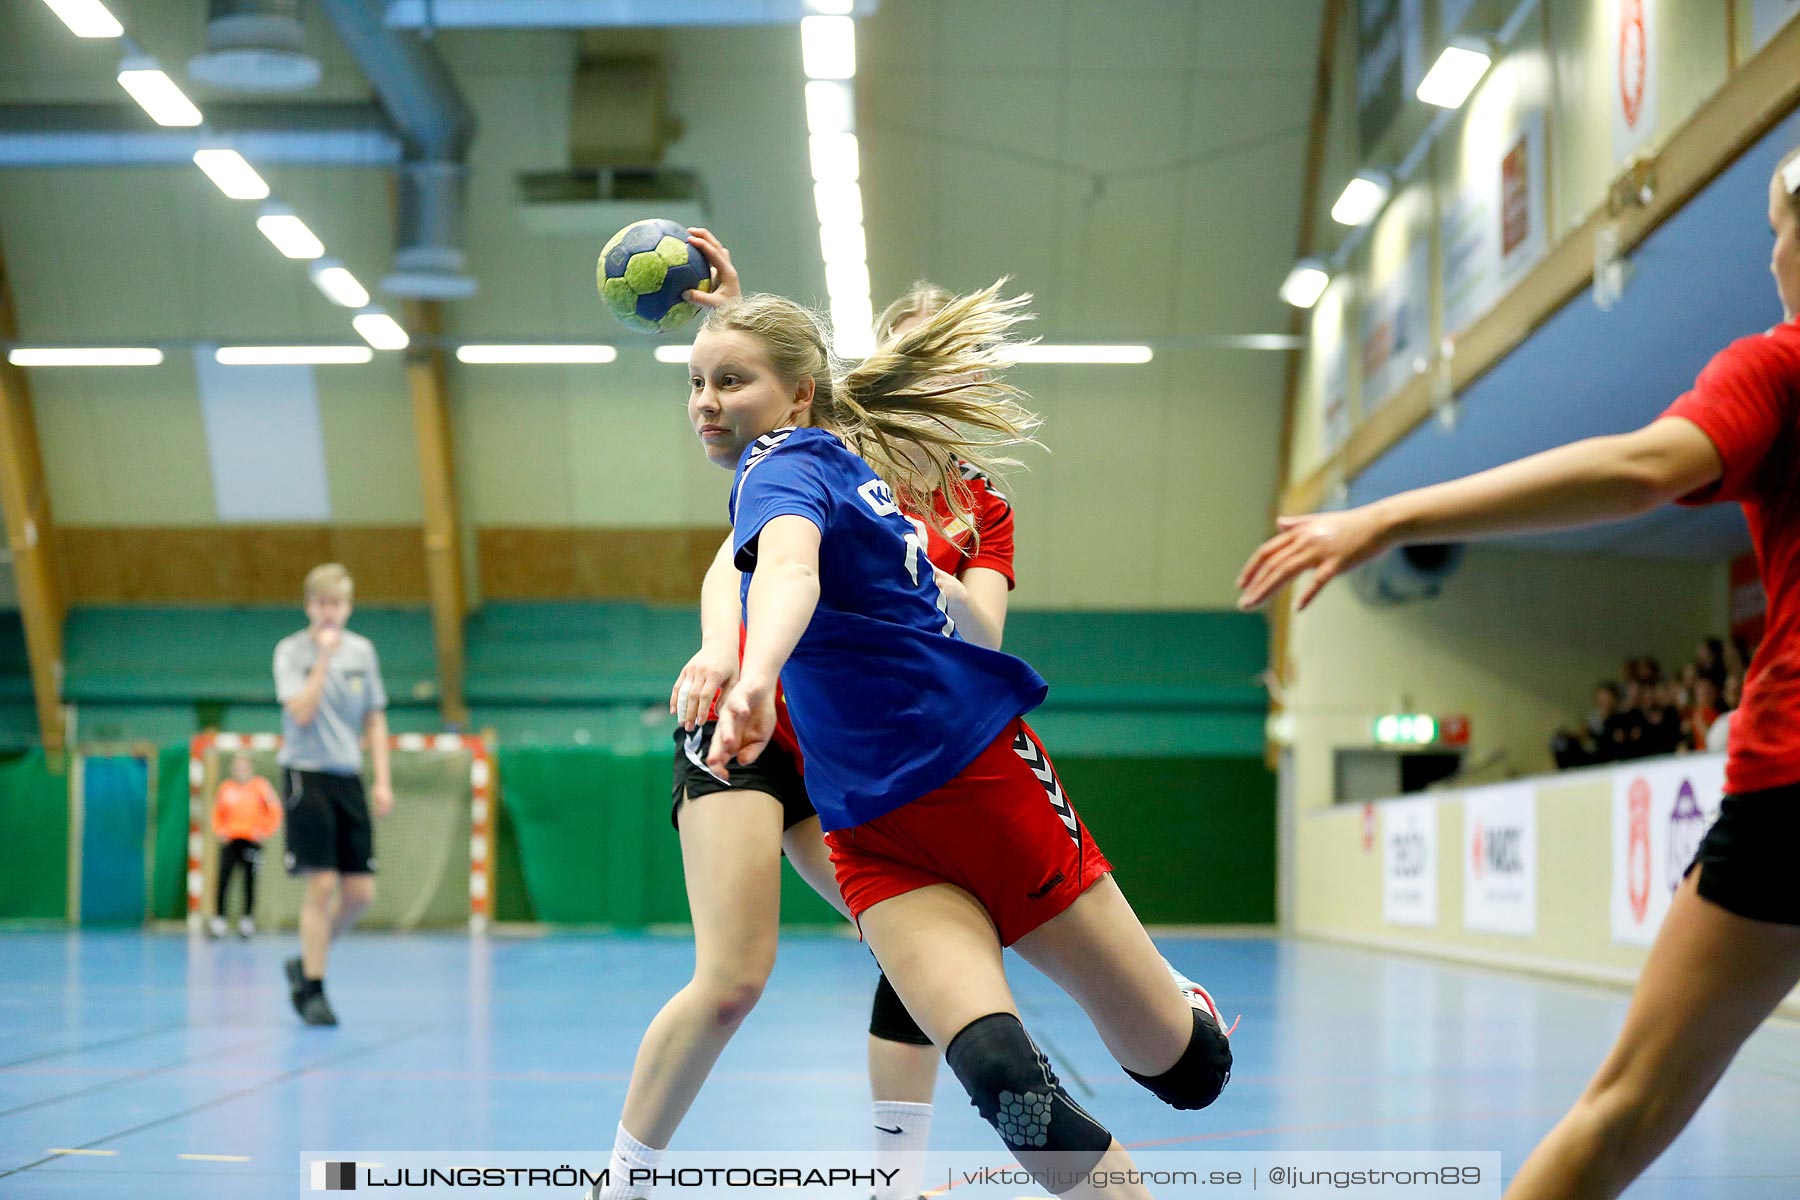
{"x":1406,"y":729}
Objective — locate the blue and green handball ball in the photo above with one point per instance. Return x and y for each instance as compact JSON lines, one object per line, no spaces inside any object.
{"x":643,"y":271}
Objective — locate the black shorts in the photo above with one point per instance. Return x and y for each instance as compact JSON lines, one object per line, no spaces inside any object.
{"x":328,"y":825}
{"x":774,"y":772}
{"x":1746,"y":858}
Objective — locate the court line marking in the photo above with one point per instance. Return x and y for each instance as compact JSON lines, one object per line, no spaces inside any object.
{"x":129,"y":1037}
{"x":82,"y":1151}
{"x":228,"y":1097}
{"x":133,"y":1076}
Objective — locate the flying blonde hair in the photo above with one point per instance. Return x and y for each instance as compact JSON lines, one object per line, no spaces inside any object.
{"x":920,"y":402}
{"x":922,"y":299}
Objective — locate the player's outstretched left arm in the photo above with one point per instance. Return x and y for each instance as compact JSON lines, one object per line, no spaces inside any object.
{"x":784,"y":591}
{"x":1583,"y":483}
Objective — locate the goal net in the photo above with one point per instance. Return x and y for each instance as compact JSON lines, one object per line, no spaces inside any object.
{"x":433,"y":867}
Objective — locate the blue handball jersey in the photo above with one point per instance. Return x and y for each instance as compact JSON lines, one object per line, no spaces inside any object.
{"x":888,"y":700}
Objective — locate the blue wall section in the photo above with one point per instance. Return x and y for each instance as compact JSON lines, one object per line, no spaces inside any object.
{"x":114,"y":824}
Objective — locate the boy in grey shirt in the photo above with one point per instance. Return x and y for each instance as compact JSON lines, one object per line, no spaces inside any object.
{"x":329,"y":683}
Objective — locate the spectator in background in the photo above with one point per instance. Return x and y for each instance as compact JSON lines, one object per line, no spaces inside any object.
{"x":1589,"y":746}
{"x":1662,"y":719}
{"x":1700,"y":718}
{"x":245,"y":814}
{"x":1719,"y":735}
{"x":1709,"y":660}
{"x":1625,"y":728}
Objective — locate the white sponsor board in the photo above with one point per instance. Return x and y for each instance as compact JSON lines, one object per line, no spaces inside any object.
{"x":1409,"y":862}
{"x":1660,"y":811}
{"x":1500,"y":859}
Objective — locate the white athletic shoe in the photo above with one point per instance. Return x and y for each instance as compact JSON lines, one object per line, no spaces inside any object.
{"x":215,"y":927}
{"x":246,"y":927}
{"x":1198,"y":997}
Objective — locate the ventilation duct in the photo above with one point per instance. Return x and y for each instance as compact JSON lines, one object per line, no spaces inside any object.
{"x":255,"y":46}
{"x":597,"y":14}
{"x":114,"y":135}
{"x":424,"y":104}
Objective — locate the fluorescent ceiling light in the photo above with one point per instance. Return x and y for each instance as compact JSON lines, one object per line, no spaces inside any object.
{"x":1454,"y":75}
{"x":289,"y":233}
{"x":84,"y":356}
{"x":235,"y":177}
{"x":828,"y":47}
{"x":1362,"y":199}
{"x":537,"y":354}
{"x":834,"y":157}
{"x":838,"y":203}
{"x":852,"y":337}
{"x":380,"y":330}
{"x":849,"y":314}
{"x":842,"y":244}
{"x":286,"y":356}
{"x":847,"y":277}
{"x":832,"y":8}
{"x":829,"y":107}
{"x":339,"y":285}
{"x":1041,"y":353}
{"x":1305,"y":283}
{"x":673,"y":354}
{"x":156,"y":93}
{"x":89,"y":18}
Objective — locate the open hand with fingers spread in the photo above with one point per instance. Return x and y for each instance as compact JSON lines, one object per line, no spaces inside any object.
{"x":725,"y":284}
{"x":746,"y":723}
{"x":1327,"y":544}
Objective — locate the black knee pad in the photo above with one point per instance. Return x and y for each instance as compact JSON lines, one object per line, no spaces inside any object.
{"x":1012,"y":1086}
{"x":889,"y":1020}
{"x":1199,"y":1075}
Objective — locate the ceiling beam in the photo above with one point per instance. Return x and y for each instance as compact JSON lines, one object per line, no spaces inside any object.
{"x":30,"y":531}
{"x":427,"y":382}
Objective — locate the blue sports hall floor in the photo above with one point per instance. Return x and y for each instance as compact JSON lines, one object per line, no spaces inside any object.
{"x":143,"y":1050}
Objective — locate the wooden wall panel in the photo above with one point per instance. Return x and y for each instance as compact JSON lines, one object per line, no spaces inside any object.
{"x":264,"y":564}
{"x":559,"y":563}
{"x":238,"y":564}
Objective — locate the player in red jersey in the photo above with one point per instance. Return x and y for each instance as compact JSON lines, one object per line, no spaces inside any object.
{"x":1729,"y":950}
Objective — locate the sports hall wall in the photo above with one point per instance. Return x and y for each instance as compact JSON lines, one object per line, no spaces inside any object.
{"x":587,"y":516}
{"x":1521,"y":631}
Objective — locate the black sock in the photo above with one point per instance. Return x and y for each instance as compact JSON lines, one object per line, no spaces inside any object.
{"x":312,"y":987}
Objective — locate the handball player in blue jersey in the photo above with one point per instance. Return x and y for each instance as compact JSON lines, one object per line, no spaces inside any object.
{"x":950,"y":834}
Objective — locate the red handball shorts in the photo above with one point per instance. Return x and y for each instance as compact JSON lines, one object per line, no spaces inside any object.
{"x":1002,"y":830}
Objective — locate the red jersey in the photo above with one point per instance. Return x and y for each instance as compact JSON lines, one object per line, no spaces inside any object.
{"x":1747,"y":401}
{"x":992,"y":516}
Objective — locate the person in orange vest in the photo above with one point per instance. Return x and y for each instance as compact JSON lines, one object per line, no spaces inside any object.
{"x":245,"y":813}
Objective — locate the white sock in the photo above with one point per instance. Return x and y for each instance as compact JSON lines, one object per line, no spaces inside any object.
{"x":901,"y":1131}
{"x":627,"y":1153}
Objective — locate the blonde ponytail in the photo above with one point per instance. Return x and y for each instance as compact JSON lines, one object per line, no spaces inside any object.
{"x":920,"y":402}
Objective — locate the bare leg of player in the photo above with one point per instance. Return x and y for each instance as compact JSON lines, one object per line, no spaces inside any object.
{"x":731,"y":856}
{"x":316,"y":921}
{"x":940,"y":951}
{"x":1097,"y":952}
{"x":1712,"y":977}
